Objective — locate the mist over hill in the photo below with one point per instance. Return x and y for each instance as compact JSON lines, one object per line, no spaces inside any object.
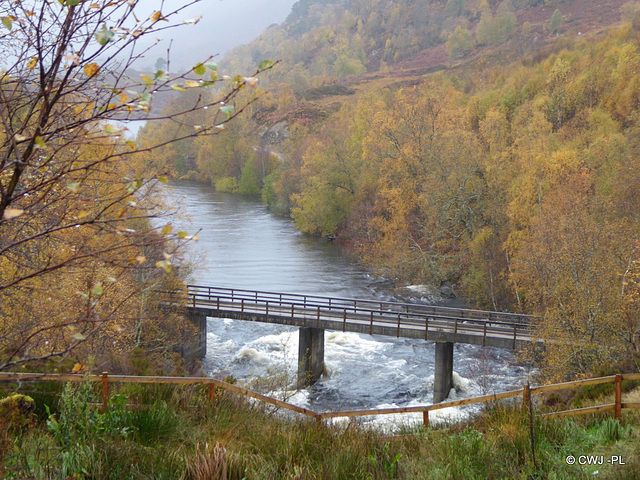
{"x":224,"y":25}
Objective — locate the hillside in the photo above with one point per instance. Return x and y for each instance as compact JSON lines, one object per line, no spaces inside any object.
{"x":505,"y":169}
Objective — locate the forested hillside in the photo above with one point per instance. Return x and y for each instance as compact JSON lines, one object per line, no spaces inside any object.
{"x":490,"y":146}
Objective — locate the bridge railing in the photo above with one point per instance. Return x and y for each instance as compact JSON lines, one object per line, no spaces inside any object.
{"x":342,"y":312}
{"x":374,"y":305}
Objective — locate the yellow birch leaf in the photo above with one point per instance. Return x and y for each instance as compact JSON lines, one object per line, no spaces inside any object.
{"x":157,"y":16}
{"x":164,"y":264}
{"x":10,"y":213}
{"x":91,"y":69}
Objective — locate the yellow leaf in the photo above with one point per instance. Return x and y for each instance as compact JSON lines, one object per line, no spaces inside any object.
{"x":91,"y":69}
{"x":146,"y":79}
{"x":191,"y":83}
{"x":10,"y":213}
{"x":39,"y":144}
{"x":74,"y":187}
{"x":140,"y":259}
{"x":32,"y":63}
{"x":251,"y":81}
{"x":165,"y":264}
{"x":74,"y":58}
{"x":79,"y":368}
{"x":157,"y":16}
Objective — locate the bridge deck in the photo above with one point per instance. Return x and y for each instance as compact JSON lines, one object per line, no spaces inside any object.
{"x":476,"y":327}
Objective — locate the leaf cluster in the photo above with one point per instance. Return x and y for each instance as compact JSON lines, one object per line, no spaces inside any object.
{"x":83,"y":252}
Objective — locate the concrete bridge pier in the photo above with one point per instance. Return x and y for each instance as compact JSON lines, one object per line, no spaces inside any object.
{"x":198,"y":347}
{"x":443,"y":375}
{"x":310,"y":356}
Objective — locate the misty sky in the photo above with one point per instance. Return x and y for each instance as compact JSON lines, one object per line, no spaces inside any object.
{"x":224,"y":25}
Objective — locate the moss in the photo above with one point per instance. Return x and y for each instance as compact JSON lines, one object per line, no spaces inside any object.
{"x":16,"y":411}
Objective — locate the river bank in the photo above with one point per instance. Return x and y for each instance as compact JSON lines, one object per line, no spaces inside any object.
{"x":248,"y":247}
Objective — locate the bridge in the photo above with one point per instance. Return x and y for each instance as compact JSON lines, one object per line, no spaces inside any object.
{"x":314,"y":314}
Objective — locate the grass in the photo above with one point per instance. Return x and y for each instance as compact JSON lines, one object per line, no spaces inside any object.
{"x":179,"y":435}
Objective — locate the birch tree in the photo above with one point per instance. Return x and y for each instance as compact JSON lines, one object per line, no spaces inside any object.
{"x":79,"y":252}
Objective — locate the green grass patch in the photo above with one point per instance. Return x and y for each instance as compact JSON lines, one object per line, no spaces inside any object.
{"x":180,"y":435}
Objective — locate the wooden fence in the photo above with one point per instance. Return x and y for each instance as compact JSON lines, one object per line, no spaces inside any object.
{"x":526,"y":392}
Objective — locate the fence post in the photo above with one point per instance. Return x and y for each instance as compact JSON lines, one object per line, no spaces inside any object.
{"x":526,"y":397}
{"x":618,"y":408}
{"x":212,"y":393}
{"x":105,"y":391}
{"x":425,"y":419}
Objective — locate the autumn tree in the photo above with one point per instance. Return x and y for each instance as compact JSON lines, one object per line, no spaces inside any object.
{"x":574,"y":268}
{"x":459,"y":42}
{"x":80,"y":251}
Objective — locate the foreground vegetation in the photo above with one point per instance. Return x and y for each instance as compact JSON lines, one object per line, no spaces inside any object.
{"x":86,"y":244}
{"x":179,"y":434}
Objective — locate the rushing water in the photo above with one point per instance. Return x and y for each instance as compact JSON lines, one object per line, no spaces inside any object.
{"x":244,"y":246}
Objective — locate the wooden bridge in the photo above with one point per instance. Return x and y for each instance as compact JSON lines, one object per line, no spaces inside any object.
{"x":314,"y":314}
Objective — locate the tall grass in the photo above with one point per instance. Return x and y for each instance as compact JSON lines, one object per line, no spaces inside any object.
{"x":180,"y":435}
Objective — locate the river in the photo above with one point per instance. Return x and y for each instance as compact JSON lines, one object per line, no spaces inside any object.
{"x":242,"y":245}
